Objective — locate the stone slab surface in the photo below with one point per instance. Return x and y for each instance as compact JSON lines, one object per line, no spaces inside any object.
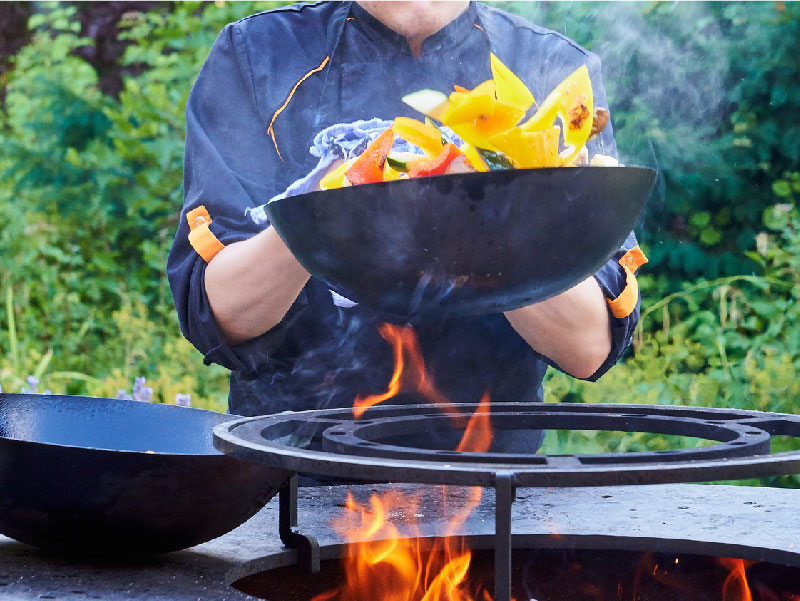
{"x":758,"y":523}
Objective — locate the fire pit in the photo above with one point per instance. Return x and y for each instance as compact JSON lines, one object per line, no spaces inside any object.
{"x":380,"y":447}
{"x":571,"y":574}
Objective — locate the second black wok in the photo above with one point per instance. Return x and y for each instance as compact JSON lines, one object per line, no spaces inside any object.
{"x":104,"y":475}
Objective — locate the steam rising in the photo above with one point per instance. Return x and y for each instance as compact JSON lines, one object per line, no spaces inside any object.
{"x":657,"y":61}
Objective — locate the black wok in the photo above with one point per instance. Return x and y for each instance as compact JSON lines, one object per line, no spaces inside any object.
{"x":464,"y":244}
{"x":104,"y":475}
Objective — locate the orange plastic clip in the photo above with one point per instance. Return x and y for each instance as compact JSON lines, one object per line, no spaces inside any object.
{"x":202,"y":239}
{"x":625,"y":303}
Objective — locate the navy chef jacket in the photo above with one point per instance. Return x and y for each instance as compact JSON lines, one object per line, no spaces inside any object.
{"x":270,"y":83}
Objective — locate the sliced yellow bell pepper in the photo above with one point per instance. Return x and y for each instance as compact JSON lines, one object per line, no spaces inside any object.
{"x":529,"y":150}
{"x":474,"y":158}
{"x":509,"y":88}
{"x":466,"y":107}
{"x":477,"y":115}
{"x":335,"y":178}
{"x":389,"y":174}
{"x":420,"y":134}
{"x":486,"y":118}
{"x":573,"y":102}
{"x":480,"y":131}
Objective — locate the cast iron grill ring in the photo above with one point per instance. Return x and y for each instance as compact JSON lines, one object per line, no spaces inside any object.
{"x":353,"y":448}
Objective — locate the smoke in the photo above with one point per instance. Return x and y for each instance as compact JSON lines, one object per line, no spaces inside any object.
{"x":665,"y":68}
{"x":670,"y":65}
{"x":667,"y":60}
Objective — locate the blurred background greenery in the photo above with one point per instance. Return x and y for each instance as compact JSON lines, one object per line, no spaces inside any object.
{"x":92,"y":99}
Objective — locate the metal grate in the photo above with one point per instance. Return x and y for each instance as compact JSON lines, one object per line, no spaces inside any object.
{"x":384,"y":446}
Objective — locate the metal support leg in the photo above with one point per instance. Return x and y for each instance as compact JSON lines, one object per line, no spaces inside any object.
{"x":505,"y":492}
{"x":307,"y":547}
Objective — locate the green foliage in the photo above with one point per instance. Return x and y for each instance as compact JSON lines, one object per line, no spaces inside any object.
{"x":90,"y":194}
{"x":737,"y":346}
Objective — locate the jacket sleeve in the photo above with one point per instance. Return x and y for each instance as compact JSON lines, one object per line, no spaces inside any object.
{"x":616,"y":284}
{"x":226,"y":171}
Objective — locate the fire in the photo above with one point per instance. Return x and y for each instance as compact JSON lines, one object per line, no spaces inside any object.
{"x":388,"y":556}
{"x":408,"y":376}
{"x":735,"y":587}
{"x":386,"y":562}
{"x":478,"y":434}
{"x":385,"y":565}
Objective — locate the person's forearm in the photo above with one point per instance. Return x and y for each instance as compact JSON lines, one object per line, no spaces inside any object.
{"x":573,"y":329}
{"x":252,"y":284}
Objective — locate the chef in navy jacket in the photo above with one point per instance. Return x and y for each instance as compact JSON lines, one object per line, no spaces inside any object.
{"x":271,"y":82}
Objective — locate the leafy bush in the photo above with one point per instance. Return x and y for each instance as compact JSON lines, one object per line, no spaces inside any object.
{"x":91,"y":194}
{"x":744,"y":353}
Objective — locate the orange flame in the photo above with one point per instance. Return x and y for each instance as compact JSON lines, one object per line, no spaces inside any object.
{"x":736,"y":580}
{"x":388,"y":557}
{"x":411,"y":378}
{"x":384,"y":563}
{"x":477,"y":436}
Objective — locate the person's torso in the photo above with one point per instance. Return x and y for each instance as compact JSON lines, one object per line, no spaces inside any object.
{"x":317,"y":65}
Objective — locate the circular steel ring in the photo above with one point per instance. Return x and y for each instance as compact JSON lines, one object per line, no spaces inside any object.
{"x":362,"y":437}
{"x":280,"y":440}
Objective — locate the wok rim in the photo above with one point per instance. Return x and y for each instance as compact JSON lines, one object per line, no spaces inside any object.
{"x":57,"y":445}
{"x":496,"y":173}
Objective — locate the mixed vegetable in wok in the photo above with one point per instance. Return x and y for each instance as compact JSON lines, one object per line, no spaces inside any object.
{"x":487,"y":121}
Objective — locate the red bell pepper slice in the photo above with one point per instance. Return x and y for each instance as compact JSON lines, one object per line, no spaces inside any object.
{"x":368,"y":168}
{"x":438,"y":164}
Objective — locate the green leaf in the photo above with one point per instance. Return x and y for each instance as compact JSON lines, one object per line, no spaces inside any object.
{"x":775,"y":218}
{"x":496,"y":161}
{"x":782,"y":188}
{"x":710,"y":236}
{"x":700,"y":219}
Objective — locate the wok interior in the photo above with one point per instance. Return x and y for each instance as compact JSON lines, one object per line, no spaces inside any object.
{"x":117,"y":425}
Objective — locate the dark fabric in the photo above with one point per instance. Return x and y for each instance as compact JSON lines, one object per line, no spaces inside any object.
{"x":323,"y":355}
